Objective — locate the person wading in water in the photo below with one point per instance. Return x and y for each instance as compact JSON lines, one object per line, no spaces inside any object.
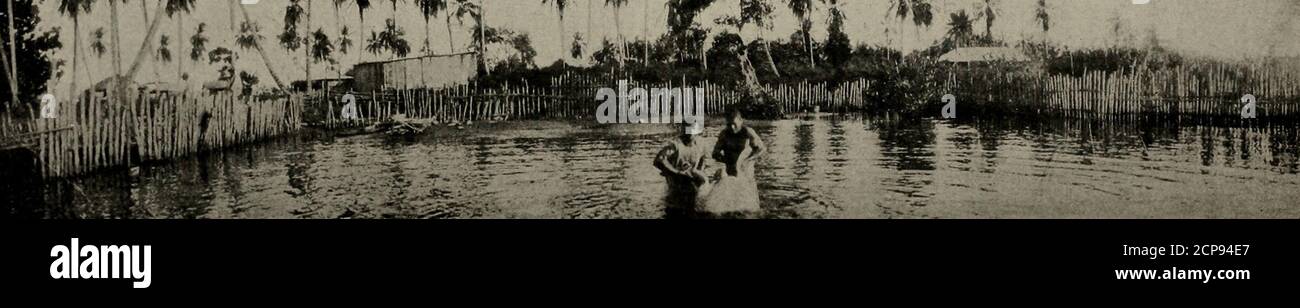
{"x":738,"y":147}
{"x":682,"y":163}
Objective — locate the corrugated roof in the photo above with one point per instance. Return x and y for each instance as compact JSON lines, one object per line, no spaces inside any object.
{"x":420,"y":57}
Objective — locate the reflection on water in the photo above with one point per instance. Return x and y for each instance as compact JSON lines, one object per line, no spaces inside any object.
{"x":833,"y":167}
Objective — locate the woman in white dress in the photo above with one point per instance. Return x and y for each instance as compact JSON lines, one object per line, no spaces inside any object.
{"x":738,"y":147}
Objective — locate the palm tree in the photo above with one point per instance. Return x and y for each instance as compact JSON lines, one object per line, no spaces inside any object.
{"x":144,"y":9}
{"x":837,"y":48}
{"x":960,"y":27}
{"x":1040,"y":15}
{"x":474,"y":11}
{"x":576,"y":50}
{"x":922,"y":13}
{"x":393,"y":38}
{"x":117,"y":51}
{"x":343,"y":29}
{"x":803,"y":9}
{"x":920,"y":10}
{"x":198,"y":42}
{"x":13,"y":52}
{"x":590,"y":8}
{"x":429,"y":8}
{"x":374,"y":45}
{"x":362,"y":6}
{"x":344,"y":41}
{"x":146,"y":47}
{"x":645,"y":32}
{"x":559,"y":9}
{"x":97,"y":43}
{"x":163,"y":54}
{"x":322,"y":47}
{"x":447,"y":14}
{"x":681,"y":21}
{"x":74,"y":9}
{"x":174,"y":10}
{"x":388,"y":40}
{"x":759,"y":12}
{"x":307,"y":36}
{"x":482,"y":36}
{"x":989,"y":15}
{"x":289,"y":38}
{"x":618,"y":26}
{"x":253,"y":37}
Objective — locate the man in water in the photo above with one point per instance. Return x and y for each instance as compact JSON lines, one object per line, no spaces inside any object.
{"x":738,"y":144}
{"x":682,"y":162}
{"x":736,"y":190}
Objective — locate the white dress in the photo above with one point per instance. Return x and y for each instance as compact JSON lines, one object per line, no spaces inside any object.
{"x":737,"y":193}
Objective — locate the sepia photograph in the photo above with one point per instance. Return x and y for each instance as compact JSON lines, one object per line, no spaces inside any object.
{"x":650,"y":109}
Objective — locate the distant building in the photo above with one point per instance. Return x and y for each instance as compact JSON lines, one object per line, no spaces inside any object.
{"x":432,"y":71}
{"x":971,"y":55}
{"x":331,"y":84}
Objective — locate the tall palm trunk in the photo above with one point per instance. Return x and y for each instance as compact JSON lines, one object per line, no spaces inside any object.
{"x":645,"y":32}
{"x":590,"y":39}
{"x":180,"y":61}
{"x":234,"y":33}
{"x":13,"y":51}
{"x":428,"y":41}
{"x":704,"y":54}
{"x":147,"y":46}
{"x":362,"y":31}
{"x":807,"y":37}
{"x":482,"y":36}
{"x":144,"y":11}
{"x":562,"y":38}
{"x":76,"y":53}
{"x":307,"y":49}
{"x":117,"y":53}
{"x":8,"y":75}
{"x":338,"y":70}
{"x":338,"y":21}
{"x":622,"y":42}
{"x":339,"y":25}
{"x":90,"y":73}
{"x":261,"y":52}
{"x":767,"y":48}
{"x":451,"y":43}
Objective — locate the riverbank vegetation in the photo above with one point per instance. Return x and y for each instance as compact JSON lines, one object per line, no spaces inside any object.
{"x":692,"y":48}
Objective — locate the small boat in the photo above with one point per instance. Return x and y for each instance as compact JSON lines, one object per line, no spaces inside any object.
{"x":358,"y":131}
{"x":399,"y":125}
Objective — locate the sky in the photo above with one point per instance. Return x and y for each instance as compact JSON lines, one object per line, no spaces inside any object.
{"x":1230,"y":29}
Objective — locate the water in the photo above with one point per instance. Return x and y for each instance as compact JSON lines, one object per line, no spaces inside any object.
{"x":829,"y":167}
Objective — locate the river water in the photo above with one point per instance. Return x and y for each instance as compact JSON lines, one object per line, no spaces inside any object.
{"x":823,"y":167}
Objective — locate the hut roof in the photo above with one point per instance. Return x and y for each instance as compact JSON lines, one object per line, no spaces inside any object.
{"x":106,"y":83}
{"x":420,"y":57}
{"x":984,"y":54}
